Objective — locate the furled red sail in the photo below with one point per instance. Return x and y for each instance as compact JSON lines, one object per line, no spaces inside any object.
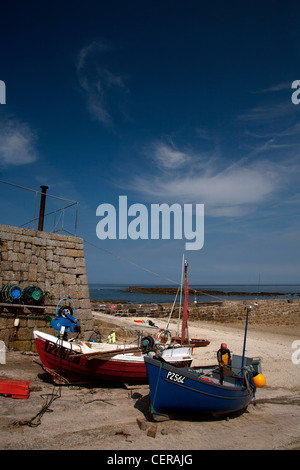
{"x":185,"y":306}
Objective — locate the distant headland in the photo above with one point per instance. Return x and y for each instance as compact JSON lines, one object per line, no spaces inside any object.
{"x":173,"y":291}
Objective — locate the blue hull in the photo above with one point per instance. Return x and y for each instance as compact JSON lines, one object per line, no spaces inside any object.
{"x":178,"y":391}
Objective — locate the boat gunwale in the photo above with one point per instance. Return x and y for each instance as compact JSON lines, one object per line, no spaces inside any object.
{"x":76,"y":347}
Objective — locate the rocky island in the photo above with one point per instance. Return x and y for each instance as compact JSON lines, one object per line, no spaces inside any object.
{"x":173,"y":291}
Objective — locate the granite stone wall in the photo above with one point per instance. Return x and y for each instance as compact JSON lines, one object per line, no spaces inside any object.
{"x":53,"y":262}
{"x":285,"y":312}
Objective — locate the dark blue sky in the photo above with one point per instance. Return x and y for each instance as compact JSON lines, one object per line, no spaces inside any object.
{"x":164,"y":102}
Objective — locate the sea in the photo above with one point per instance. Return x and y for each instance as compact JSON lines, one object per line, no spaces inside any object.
{"x":115,"y":292}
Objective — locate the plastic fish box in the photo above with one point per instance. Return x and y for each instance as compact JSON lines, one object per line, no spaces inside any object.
{"x":15,"y":388}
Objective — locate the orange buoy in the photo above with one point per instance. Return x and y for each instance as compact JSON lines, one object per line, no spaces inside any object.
{"x":259,"y":381}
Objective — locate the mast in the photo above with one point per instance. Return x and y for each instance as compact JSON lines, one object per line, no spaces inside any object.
{"x":180,"y":298}
{"x":184,"y":334}
{"x":245,"y":338}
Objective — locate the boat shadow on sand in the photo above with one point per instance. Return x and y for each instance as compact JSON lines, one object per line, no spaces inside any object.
{"x":46,"y":378}
{"x":143,"y":404}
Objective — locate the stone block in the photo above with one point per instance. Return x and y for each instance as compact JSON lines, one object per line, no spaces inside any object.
{"x":75,"y":253}
{"x":84,"y":304}
{"x":49,"y":255}
{"x":16,"y":266}
{"x":21,"y":257}
{"x":41,"y":276}
{"x":32,"y":273}
{"x":152,"y":431}
{"x":5,"y":336}
{"x":68,"y":262}
{"x":80,"y":271}
{"x":16,"y":247}
{"x":60,"y":251}
{"x":3,"y":255}
{"x":141,"y":424}
{"x":84,"y":315}
{"x":82,"y":279}
{"x":24,"y":334}
{"x":38,"y":241}
{"x":27,"y":255}
{"x":10,"y":244}
{"x":49,"y":275}
{"x":80,"y":262}
{"x":10,"y":276}
{"x":84,"y":292}
{"x":6,"y":266}
{"x":34,"y":259}
{"x":20,"y":345}
{"x":5,"y":235}
{"x":41,"y":265}
{"x":51,"y":243}
{"x":49,"y":265}
{"x":70,"y":245}
{"x":55,"y":266}
{"x":69,"y":279}
{"x":3,"y":321}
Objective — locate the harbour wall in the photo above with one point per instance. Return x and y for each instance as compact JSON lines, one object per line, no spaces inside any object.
{"x":276,"y":312}
{"x":53,"y":262}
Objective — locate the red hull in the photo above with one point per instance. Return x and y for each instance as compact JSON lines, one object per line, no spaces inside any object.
{"x":63,"y":368}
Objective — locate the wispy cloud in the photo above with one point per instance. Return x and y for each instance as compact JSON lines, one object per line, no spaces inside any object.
{"x":269,"y":112}
{"x":289,"y":131}
{"x":276,"y":107}
{"x":273,"y":88}
{"x":105,"y":89}
{"x":235,"y":187}
{"x":271,"y":145}
{"x":203,"y":134}
{"x":271,"y":129}
{"x":17,"y":143}
{"x":227,"y":189}
{"x":167,"y":156}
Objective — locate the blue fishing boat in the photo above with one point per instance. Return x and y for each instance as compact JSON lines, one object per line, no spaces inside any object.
{"x":203,"y":390}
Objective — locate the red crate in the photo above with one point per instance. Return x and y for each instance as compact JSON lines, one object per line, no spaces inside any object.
{"x":15,"y":388}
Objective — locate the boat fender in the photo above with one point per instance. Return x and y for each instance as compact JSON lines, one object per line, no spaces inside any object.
{"x":164,"y":337}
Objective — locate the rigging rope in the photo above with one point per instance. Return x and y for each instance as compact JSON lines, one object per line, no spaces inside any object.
{"x":126,"y":260}
{"x":145,"y":269}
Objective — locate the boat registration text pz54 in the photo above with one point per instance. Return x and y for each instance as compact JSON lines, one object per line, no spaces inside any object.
{"x":175,"y":377}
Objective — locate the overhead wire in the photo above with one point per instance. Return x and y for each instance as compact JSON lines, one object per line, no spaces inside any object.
{"x":142,"y":267}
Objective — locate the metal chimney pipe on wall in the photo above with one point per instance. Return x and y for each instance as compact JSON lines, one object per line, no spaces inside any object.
{"x":42,"y":207}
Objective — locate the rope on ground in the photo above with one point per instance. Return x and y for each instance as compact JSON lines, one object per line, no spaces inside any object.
{"x":36,"y":420}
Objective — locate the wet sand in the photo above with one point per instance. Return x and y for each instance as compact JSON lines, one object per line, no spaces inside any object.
{"x":116,"y":418}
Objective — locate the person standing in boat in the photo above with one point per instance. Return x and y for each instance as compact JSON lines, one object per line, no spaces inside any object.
{"x":224,"y":360}
{"x":224,"y":356}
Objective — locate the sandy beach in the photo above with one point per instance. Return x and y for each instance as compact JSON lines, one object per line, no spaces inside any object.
{"x":106,"y":418}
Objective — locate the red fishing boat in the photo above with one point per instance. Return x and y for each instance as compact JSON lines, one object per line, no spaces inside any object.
{"x":70,"y":362}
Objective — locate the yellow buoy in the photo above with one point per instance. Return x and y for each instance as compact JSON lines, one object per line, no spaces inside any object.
{"x":259,"y":381}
